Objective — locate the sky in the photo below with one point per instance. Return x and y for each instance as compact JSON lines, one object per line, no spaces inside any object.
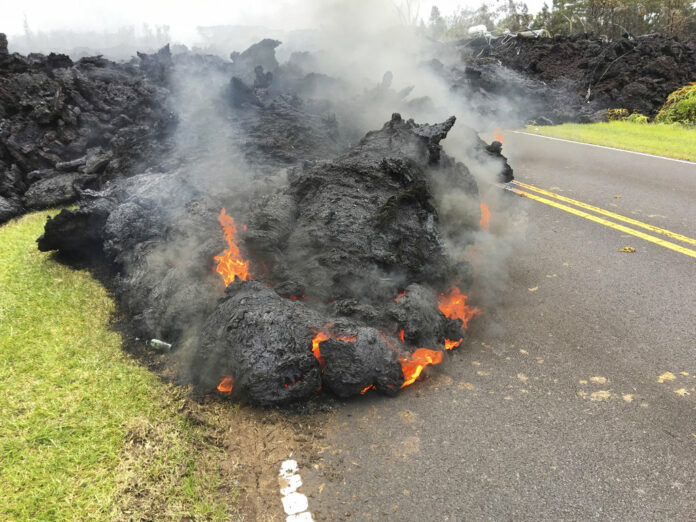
{"x":182,"y":16}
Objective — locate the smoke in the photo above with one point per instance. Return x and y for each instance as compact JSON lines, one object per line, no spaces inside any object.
{"x":249,"y":127}
{"x":373,"y":65}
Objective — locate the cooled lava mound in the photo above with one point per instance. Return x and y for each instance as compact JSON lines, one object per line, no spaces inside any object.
{"x":575,"y":78}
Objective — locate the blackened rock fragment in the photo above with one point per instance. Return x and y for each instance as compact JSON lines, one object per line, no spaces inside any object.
{"x":94,"y":117}
{"x":573,"y":78}
{"x":77,"y":232}
{"x":263,"y":341}
{"x":9,"y":208}
{"x":55,"y":190}
{"x":495,"y":150}
{"x":364,"y":223}
{"x":353,"y":365}
{"x":416,"y":313}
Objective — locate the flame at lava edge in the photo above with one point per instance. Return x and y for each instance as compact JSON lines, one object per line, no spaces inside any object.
{"x":453,"y":306}
{"x":413,"y":366}
{"x":226,"y":385}
{"x":231,"y":264}
{"x":485,"y":221}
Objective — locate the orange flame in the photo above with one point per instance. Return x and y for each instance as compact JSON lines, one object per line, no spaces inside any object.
{"x":325,"y":335}
{"x":401,"y":294}
{"x":370,"y":387}
{"x":498,"y":136}
{"x":453,"y":306}
{"x":320,"y":337}
{"x":413,"y":366}
{"x":450,"y":345}
{"x":485,"y":217}
{"x":230,"y":263}
{"x":226,"y":385}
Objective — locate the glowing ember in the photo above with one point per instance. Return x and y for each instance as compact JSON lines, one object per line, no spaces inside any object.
{"x":230,"y":263}
{"x":320,"y":337}
{"x":370,"y":387}
{"x":450,"y":345}
{"x":485,"y":217}
{"x":413,"y":366}
{"x":498,"y":136}
{"x":401,"y":336}
{"x":396,"y":299}
{"x":453,"y":306}
{"x":324,"y":335}
{"x":226,"y":385}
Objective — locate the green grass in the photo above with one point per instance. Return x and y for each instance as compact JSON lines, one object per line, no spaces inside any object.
{"x":673,"y":141}
{"x":85,"y":431}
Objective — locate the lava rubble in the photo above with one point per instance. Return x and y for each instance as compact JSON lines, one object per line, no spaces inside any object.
{"x":350,"y":243}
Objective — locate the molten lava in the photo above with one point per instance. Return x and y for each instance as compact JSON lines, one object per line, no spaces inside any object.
{"x":324,"y":335}
{"x":370,"y":387}
{"x":485,"y":217}
{"x":498,"y":136}
{"x":453,"y":306}
{"x":320,"y":337}
{"x":401,"y":294}
{"x":401,"y":335}
{"x":413,"y":366}
{"x":226,"y":385}
{"x":230,"y":263}
{"x":450,"y":345}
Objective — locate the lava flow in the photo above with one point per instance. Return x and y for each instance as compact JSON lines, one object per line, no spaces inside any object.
{"x":451,"y":345}
{"x":226,"y":385}
{"x":453,"y":306}
{"x":230,"y":263}
{"x":498,"y":136}
{"x":325,"y":335}
{"x":320,"y":337}
{"x":413,"y":366}
{"x":485,"y":217}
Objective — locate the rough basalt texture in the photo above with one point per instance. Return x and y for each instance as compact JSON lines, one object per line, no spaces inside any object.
{"x":553,"y":80}
{"x":66,"y":127}
{"x":334,"y":234}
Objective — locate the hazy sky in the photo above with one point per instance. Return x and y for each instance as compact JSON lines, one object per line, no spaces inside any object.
{"x":181,"y":16}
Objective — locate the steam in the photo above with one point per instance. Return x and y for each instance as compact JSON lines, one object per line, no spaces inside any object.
{"x":367,"y":65}
{"x":380,"y":66}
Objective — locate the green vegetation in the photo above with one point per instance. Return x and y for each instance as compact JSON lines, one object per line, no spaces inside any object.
{"x":680,"y":107}
{"x":674,"y":141}
{"x":85,"y":431}
{"x":610,"y":18}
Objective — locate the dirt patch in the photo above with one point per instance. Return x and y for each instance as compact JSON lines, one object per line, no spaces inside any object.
{"x":258,"y":441}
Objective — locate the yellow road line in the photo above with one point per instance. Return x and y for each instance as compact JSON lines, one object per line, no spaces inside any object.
{"x":610,"y":214}
{"x":607,"y":223}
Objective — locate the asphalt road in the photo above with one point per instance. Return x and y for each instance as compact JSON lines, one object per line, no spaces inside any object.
{"x":560,"y":406}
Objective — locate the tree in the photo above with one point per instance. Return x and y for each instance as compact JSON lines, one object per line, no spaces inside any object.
{"x":437,"y":26}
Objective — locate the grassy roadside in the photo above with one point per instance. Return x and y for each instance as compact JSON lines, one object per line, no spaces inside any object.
{"x":664,"y":140}
{"x":86,"y":432}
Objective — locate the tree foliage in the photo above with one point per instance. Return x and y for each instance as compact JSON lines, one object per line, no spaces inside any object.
{"x":680,"y":106}
{"x":608,"y":18}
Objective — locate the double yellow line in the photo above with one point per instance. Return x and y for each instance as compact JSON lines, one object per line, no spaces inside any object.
{"x":606,"y":222}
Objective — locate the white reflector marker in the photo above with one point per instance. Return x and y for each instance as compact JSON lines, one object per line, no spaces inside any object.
{"x":295,"y":504}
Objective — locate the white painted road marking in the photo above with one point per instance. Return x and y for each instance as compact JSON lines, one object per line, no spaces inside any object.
{"x":295,"y":504}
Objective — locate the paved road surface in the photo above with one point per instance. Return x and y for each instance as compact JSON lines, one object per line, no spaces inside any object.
{"x":555,"y":411}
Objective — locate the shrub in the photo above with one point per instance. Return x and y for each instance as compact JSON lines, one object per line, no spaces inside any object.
{"x":617,"y":114}
{"x":680,"y":107}
{"x":637,"y":117}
